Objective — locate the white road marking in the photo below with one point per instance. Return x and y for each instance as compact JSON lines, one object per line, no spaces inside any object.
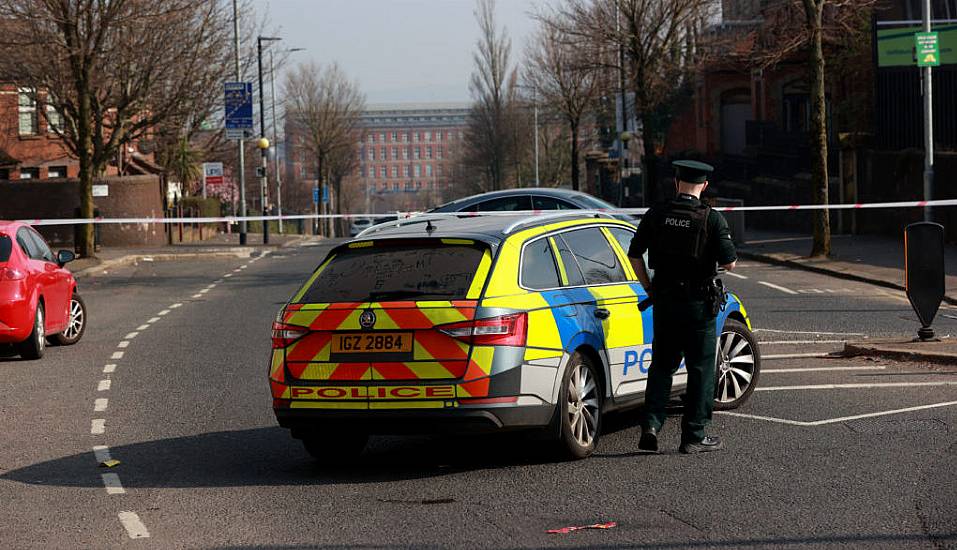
{"x":131,"y":335}
{"x":100,"y":404}
{"x":123,"y":344}
{"x":228,"y":275}
{"x":856,"y":386}
{"x":735,"y":275}
{"x":211,"y":286}
{"x":117,"y":355}
{"x":176,"y":305}
{"x":102,"y":453}
{"x":109,"y":368}
{"x":795,"y":355}
{"x":97,"y":426}
{"x":950,"y":316}
{"x":799,"y":342}
{"x":811,"y":332}
{"x":153,"y":320}
{"x":112,"y":484}
{"x":204,"y":291}
{"x":162,"y":313}
{"x":103,"y":385}
{"x":134,"y":527}
{"x":244,"y":266}
{"x":822,"y":369}
{"x":196,"y":296}
{"x":237,"y":270}
{"x":777,"y":287}
{"x":835,"y":420}
{"x":142,"y":327}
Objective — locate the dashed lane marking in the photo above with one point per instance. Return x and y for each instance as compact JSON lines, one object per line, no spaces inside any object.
{"x":204,"y":291}
{"x":103,"y":385}
{"x":134,"y":527}
{"x":162,"y":313}
{"x":799,"y":342}
{"x":212,"y":286}
{"x":112,"y":484}
{"x":735,"y":275}
{"x":777,"y":287}
{"x":856,"y":386}
{"x":196,"y":296}
{"x":176,"y":305}
{"x":795,"y":355}
{"x":109,"y":368}
{"x":809,"y":332}
{"x":101,"y":453}
{"x":100,"y":405}
{"x":123,"y":344}
{"x":228,"y":275}
{"x":131,"y":335}
{"x":821,"y":369}
{"x":142,"y":327}
{"x":97,"y":426}
{"x":117,"y":355}
{"x":834,"y":420}
{"x":153,"y":320}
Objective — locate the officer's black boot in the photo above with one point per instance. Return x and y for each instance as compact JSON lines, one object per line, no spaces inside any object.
{"x":649,"y":440}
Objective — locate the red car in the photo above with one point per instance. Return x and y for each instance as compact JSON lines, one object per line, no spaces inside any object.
{"x":38,"y":297}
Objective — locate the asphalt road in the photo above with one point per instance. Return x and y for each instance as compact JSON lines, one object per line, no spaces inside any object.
{"x":170,"y":381}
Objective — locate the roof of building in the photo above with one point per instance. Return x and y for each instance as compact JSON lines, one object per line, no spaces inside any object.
{"x":437,"y":106}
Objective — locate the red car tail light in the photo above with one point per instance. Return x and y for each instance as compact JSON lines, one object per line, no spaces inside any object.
{"x":283,"y":335}
{"x":506,"y":330}
{"x":11,"y":274}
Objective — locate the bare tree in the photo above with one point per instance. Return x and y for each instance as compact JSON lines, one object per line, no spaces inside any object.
{"x":489,"y":137}
{"x":326,"y":106}
{"x":113,"y":71}
{"x":660,"y":39}
{"x":563,"y":78}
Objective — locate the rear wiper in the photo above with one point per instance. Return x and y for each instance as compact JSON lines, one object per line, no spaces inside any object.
{"x":394,"y":294}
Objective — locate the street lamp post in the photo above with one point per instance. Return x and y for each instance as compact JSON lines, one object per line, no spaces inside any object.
{"x":275,"y":132}
{"x":242,"y":144}
{"x":263,"y":142}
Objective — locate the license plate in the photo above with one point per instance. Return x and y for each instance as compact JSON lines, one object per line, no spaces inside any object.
{"x":378,"y":342}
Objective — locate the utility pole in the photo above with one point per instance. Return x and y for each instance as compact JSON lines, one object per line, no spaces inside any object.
{"x":242,"y":156}
{"x":622,"y":147}
{"x":263,"y":142}
{"x":275,"y":137}
{"x":538,"y":182}
{"x":928,"y":125}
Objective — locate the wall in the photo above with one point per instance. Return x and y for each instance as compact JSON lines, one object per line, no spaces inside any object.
{"x":129,"y":197}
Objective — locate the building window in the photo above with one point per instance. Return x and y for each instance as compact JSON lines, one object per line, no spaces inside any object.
{"x":405,"y":153}
{"x":371,"y":138}
{"x":461,"y":135}
{"x":395,"y":153}
{"x":417,"y":153}
{"x":382,"y":173}
{"x":372,"y":172}
{"x":54,"y":120}
{"x":29,"y":173}
{"x":395,"y":171}
{"x":428,"y":170}
{"x":428,"y":136}
{"x":428,"y":152}
{"x":438,"y":170}
{"x":415,"y":137}
{"x":438,"y":152}
{"x":408,"y":171}
{"x":27,"y":107}
{"x":405,"y":137}
{"x":394,"y":136}
{"x":418,"y":171}
{"x":382,"y":137}
{"x":56,"y":172}
{"x":382,"y":155}
{"x":395,"y":187}
{"x":370,"y":154}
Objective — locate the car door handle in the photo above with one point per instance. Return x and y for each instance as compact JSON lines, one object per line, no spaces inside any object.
{"x":602,"y":313}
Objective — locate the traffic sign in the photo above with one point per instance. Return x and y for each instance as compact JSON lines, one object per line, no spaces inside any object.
{"x":924,"y":272}
{"x":928,"y":49}
{"x":315,"y":195}
{"x":213,"y":173}
{"x":238,"y":100}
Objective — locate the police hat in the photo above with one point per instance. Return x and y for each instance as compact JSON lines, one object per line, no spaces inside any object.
{"x":692,"y":171}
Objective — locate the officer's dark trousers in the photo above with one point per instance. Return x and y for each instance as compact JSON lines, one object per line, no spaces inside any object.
{"x":683,"y":327}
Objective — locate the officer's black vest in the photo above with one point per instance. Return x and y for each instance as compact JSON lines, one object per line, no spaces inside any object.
{"x":681,"y":240}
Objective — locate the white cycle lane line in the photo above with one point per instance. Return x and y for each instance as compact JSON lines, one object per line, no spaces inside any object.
{"x":135,"y":528}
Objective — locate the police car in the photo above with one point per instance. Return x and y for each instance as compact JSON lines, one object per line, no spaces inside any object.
{"x":483,"y":323}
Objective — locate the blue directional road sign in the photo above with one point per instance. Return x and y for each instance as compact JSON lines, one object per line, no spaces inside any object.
{"x":238,"y":99}
{"x":315,"y":195}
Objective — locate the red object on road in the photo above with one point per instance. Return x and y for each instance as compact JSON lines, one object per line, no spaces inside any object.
{"x":38,"y":296}
{"x":564,"y":530}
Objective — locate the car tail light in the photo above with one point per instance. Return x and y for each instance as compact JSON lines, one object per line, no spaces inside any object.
{"x":283,"y":335}
{"x":11,"y":274}
{"x":507,"y":330}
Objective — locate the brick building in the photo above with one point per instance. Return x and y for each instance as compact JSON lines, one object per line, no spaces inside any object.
{"x":407,"y":157}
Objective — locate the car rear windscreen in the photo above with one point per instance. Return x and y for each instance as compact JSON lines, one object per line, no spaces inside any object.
{"x":6,"y":245}
{"x":430,"y":270}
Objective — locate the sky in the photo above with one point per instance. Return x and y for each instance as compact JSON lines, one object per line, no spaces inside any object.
{"x":399,"y":50}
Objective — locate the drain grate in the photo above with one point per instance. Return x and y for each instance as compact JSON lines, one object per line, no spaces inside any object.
{"x":872,"y":426}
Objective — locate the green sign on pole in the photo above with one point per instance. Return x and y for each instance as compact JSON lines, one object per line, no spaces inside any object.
{"x":928,"y":49}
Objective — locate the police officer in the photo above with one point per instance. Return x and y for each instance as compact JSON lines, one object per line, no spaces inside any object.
{"x":685,"y":240}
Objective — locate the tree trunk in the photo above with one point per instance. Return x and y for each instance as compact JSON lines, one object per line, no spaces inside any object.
{"x":576,"y":170}
{"x":85,"y":246}
{"x":649,"y":160}
{"x":818,"y":130}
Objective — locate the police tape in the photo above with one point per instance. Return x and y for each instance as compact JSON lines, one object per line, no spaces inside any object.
{"x":407,"y":215}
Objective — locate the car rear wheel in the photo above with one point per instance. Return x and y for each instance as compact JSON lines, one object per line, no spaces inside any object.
{"x":335,"y":448}
{"x":77,"y":325}
{"x":738,"y":366}
{"x":32,"y":347}
{"x":580,"y":408}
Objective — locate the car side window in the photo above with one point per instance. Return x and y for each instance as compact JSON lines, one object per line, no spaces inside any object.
{"x":503,"y":204}
{"x":41,"y":245}
{"x":572,"y":270}
{"x":27,"y":245}
{"x":538,"y":266}
{"x":623,"y":236}
{"x":540,"y":202}
{"x":593,"y":252}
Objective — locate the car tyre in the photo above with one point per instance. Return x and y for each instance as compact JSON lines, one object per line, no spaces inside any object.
{"x":77,"y":324}
{"x":579,"y":408}
{"x":33,"y":347}
{"x":738,"y":366}
{"x":335,"y":449}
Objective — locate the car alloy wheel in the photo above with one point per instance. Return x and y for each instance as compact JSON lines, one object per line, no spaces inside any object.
{"x":39,"y":331}
{"x":77,"y":318}
{"x":580,"y":407}
{"x":738,"y":366}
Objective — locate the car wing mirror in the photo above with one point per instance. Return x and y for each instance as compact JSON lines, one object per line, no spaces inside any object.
{"x":64,"y":257}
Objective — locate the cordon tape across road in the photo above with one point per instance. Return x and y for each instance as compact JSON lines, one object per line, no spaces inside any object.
{"x":232,"y":219}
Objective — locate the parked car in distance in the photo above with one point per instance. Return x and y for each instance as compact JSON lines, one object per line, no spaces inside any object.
{"x":358,"y":225}
{"x":38,"y":296}
{"x":529,"y":198}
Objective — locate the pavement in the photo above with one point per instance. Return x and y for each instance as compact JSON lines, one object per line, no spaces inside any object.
{"x":870,"y":259}
{"x":222,"y":245}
